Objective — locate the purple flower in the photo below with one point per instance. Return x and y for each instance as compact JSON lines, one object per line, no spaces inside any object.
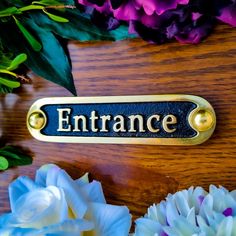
{"x":159,"y":21}
{"x":228,"y":14}
{"x":133,"y":9}
{"x":182,"y":24}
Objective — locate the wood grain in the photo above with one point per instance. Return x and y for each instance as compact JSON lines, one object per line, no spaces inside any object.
{"x":133,"y":175}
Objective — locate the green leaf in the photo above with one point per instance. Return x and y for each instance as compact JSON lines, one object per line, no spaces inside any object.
{"x":50,"y":63}
{"x":4,"y":89}
{"x":22,"y":161}
{"x":56,"y":18}
{"x":15,"y":157}
{"x":31,"y":7}
{"x":48,"y":2}
{"x":3,"y":163}
{"x":9,"y":11}
{"x":30,"y":38}
{"x":5,"y":58}
{"x":17,"y":61}
{"x":9,"y":83}
{"x":80,"y":28}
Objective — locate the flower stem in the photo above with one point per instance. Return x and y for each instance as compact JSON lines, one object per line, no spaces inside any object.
{"x":8,"y":72}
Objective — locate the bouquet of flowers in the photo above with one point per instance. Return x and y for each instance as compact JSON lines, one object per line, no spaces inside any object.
{"x":55,"y":204}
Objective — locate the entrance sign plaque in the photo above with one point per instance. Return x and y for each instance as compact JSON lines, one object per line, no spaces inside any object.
{"x":151,"y":119}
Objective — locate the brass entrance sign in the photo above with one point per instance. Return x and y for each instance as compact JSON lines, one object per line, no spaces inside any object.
{"x":151,"y":119}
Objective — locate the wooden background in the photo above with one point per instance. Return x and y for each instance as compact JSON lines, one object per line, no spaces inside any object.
{"x":133,"y":175}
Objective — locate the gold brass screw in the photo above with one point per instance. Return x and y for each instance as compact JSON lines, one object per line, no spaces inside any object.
{"x":37,"y":120}
{"x":203,"y":120}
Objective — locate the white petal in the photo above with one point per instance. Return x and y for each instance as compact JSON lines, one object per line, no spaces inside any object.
{"x":83,"y":180}
{"x":234,"y":227}
{"x":181,"y":203}
{"x":61,"y":203}
{"x":147,"y":227}
{"x":67,"y":228}
{"x":206,"y":209}
{"x":39,"y":208}
{"x":191,"y":218}
{"x":75,"y":199}
{"x":155,"y":212}
{"x":47,"y":175}
{"x":171,"y":212}
{"x":93,"y":192}
{"x":183,"y":226}
{"x":171,"y":231}
{"x":110,"y":220}
{"x":19,"y":187}
{"x":225,"y":227}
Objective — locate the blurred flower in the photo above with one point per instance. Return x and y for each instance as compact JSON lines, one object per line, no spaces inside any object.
{"x":57,"y":205}
{"x":182,"y":24}
{"x":191,"y":212}
{"x":133,"y":9}
{"x":159,"y":21}
{"x":228,"y":13}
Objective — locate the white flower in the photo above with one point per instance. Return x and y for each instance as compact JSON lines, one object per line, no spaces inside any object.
{"x":192,"y":212}
{"x":55,"y":204}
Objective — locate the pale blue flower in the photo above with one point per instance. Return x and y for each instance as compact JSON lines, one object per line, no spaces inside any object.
{"x":55,"y":204}
{"x":192,"y":212}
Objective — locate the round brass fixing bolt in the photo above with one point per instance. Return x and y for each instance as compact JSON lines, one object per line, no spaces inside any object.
{"x":203,"y":120}
{"x":37,"y":120}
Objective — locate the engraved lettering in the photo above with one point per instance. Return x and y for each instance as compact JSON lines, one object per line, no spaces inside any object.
{"x":93,"y":119}
{"x":136,"y":123}
{"x":104,"y":123}
{"x":150,"y":123}
{"x":63,"y":119}
{"x":134,"y":118}
{"x":119,"y":125}
{"x":169,"y":120}
{"x":82,"y":120}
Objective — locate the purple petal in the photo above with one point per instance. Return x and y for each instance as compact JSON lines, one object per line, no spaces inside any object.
{"x":228,"y":15}
{"x":228,"y":212}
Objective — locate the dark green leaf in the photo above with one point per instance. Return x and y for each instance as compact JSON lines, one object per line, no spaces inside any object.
{"x":9,"y":154}
{"x":17,"y":61}
{"x":11,"y":151}
{"x":15,"y":157}
{"x":50,"y":63}
{"x":9,"y":83}
{"x":5,"y":59}
{"x":3,"y":163}
{"x":24,"y":160}
{"x":16,"y":3}
{"x":4,"y":89}
{"x":30,"y":38}
{"x":80,"y":28}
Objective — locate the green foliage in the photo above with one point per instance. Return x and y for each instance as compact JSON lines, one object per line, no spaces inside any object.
{"x":11,"y":156}
{"x":17,"y":61}
{"x":36,"y":46}
{"x":37,"y":29}
{"x":3,"y":163}
{"x":8,"y":79}
{"x":9,"y":83}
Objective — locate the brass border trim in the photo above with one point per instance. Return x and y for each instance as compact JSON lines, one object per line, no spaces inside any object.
{"x":201,"y":103}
